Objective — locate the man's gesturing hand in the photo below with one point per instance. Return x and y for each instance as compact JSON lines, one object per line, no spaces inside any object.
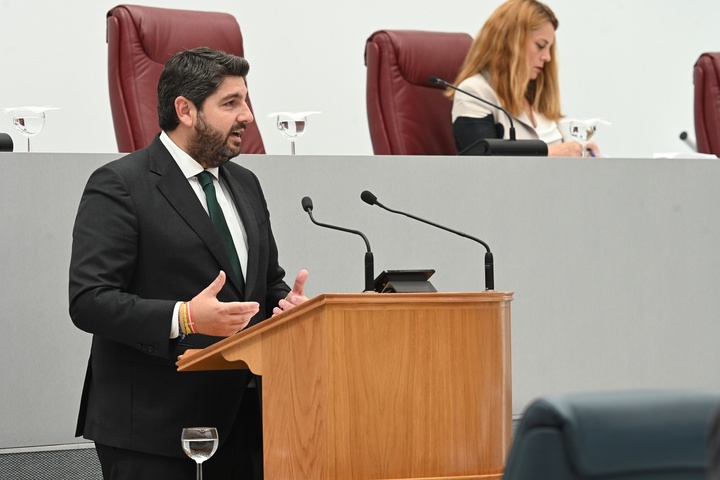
{"x":220,"y":319}
{"x":296,"y":295}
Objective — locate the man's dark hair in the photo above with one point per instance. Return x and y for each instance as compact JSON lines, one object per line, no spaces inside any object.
{"x":194,"y":74}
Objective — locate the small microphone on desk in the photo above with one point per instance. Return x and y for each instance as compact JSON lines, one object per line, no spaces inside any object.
{"x":371,"y":199}
{"x":686,"y":138}
{"x":307,"y":205}
{"x":6,"y":143}
{"x":498,"y":146}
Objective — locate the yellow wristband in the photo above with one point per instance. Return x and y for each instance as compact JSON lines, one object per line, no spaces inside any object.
{"x":182,"y":314}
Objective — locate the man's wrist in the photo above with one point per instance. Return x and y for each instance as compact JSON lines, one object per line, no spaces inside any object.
{"x":185,"y":321}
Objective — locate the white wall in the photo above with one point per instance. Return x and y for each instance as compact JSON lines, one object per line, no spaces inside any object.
{"x":627,"y":61}
{"x":634,"y":69}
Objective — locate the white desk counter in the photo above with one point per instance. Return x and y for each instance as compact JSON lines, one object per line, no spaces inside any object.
{"x":615,"y":263}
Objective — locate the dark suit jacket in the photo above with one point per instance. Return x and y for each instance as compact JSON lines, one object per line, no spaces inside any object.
{"x":142,"y":242}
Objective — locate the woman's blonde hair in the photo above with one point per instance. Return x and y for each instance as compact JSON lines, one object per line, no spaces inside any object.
{"x":500,"y":47}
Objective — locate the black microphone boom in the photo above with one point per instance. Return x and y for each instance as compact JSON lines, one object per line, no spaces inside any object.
{"x":307,"y":205}
{"x":440,"y":81}
{"x":496,"y":146}
{"x":371,"y":199}
{"x":685,"y":138}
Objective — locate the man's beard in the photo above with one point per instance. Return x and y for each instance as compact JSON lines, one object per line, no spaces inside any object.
{"x":209,"y":146}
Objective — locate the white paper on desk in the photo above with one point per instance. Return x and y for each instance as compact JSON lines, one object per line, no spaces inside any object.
{"x":31,"y":108}
{"x":591,"y":122}
{"x":292,"y":115}
{"x":684,"y":155}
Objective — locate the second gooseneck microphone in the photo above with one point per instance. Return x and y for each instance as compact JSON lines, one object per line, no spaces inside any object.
{"x":371,"y":199}
{"x":307,"y":205}
{"x":688,"y":141}
{"x":498,"y":146}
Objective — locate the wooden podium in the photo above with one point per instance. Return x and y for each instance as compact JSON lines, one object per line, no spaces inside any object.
{"x":380,"y":386}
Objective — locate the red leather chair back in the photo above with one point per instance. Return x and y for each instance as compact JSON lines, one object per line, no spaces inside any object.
{"x":140,"y":41}
{"x":407,"y":114}
{"x":707,"y":103}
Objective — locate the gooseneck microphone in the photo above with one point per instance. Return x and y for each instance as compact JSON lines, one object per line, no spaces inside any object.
{"x":307,"y":205}
{"x":498,"y":146}
{"x":686,"y":138}
{"x":371,"y":199}
{"x":440,"y":81}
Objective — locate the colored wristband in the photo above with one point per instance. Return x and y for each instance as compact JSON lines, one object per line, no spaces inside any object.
{"x":190,"y":322}
{"x":183,"y":321}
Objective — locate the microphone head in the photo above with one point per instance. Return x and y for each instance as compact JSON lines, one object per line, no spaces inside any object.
{"x":439,"y":81}
{"x":6,"y":143}
{"x":307,"y":204}
{"x":368,"y":198}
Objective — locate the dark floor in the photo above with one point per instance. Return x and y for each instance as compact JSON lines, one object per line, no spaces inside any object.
{"x":76,"y":464}
{"x":65,"y":464}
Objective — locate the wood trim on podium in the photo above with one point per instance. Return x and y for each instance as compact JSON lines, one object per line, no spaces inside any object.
{"x":380,"y":386}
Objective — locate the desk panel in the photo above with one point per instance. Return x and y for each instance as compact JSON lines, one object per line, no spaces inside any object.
{"x":614,"y":263}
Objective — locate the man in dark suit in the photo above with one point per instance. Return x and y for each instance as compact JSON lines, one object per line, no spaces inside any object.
{"x":151,"y":276}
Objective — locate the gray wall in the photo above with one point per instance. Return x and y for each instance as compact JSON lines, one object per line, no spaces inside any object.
{"x":614,"y":263}
{"x":627,"y":61}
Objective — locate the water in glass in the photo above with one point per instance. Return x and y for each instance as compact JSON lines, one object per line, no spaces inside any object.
{"x":199,"y":443}
{"x":29,"y":122}
{"x":29,"y":125}
{"x":199,"y":449}
{"x":582,"y":132}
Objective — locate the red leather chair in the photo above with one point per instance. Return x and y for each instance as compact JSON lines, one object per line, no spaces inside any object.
{"x":140,"y":40}
{"x":707,"y":103}
{"x":407,"y":114}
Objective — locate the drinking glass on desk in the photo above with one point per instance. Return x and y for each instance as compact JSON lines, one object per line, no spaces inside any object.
{"x":291,"y":125}
{"x":583,"y":130}
{"x":28,"y":120}
{"x":199,"y":443}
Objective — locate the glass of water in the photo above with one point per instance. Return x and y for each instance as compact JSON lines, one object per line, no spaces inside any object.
{"x":291,"y":125}
{"x":28,"y":120}
{"x":583,"y":130}
{"x":199,"y":443}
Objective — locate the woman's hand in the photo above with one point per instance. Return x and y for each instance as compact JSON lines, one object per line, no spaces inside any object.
{"x":573,"y":149}
{"x":593,"y":149}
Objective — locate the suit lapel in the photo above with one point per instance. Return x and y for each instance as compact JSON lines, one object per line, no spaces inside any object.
{"x":176,"y":189}
{"x":250,"y":224}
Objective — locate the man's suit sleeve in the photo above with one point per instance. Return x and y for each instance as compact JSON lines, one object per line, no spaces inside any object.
{"x":103,"y":261}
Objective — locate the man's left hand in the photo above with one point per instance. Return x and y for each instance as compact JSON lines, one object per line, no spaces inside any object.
{"x":296,"y":295}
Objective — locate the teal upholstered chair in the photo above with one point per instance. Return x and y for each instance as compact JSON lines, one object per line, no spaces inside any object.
{"x":623,"y":435}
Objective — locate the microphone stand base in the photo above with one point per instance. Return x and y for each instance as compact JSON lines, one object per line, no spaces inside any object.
{"x":408,"y":286}
{"x":404,"y":281}
{"x":507,"y":148}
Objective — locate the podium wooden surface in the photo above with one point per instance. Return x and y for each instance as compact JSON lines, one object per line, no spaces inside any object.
{"x":380,"y":386}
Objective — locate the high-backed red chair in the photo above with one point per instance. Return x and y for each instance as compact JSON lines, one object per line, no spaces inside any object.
{"x":707,"y":103}
{"x":407,"y":114}
{"x":140,"y":40}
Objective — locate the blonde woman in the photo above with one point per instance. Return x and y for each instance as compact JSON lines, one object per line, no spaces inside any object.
{"x":512,"y":63}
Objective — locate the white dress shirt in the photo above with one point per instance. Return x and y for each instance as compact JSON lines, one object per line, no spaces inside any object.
{"x":190,"y":169}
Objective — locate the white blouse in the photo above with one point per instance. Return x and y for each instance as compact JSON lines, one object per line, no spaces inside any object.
{"x":466,"y":106}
